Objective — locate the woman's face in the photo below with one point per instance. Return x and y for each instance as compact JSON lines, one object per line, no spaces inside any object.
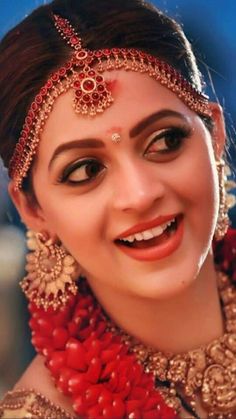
{"x":91,"y":190}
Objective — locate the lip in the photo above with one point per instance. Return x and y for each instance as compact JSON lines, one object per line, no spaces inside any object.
{"x":138,"y":228}
{"x":160,"y":251}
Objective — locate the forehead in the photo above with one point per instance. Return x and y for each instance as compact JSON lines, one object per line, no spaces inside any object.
{"x":135,"y":97}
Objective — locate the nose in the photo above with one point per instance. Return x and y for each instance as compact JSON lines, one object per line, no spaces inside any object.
{"x":137,"y":186}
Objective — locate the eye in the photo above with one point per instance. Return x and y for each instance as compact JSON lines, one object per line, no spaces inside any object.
{"x":168,"y":140}
{"x":82,"y":171}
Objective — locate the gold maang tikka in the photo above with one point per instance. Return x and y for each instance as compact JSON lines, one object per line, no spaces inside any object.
{"x":83,"y":73}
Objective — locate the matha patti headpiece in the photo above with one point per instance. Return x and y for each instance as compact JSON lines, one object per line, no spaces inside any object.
{"x":92,"y":95}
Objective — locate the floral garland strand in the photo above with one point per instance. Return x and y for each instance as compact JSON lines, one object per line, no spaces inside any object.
{"x":93,"y":366}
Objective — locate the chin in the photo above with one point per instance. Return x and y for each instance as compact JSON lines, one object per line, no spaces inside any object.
{"x":170,"y":280}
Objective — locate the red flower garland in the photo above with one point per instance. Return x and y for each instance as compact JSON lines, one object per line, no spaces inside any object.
{"x":93,"y":366}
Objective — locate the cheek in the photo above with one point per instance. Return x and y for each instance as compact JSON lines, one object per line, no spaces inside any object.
{"x":77,"y":222}
{"x":199,"y":173}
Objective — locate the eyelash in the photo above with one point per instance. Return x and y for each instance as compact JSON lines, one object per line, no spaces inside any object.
{"x":172,"y":137}
{"x":168,"y":135}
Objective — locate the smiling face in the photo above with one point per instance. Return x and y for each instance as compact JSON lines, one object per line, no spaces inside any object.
{"x":93,"y":191}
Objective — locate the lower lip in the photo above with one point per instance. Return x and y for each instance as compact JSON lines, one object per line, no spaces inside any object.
{"x":160,"y":251}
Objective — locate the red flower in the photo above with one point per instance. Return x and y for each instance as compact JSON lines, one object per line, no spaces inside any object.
{"x":92,"y":365}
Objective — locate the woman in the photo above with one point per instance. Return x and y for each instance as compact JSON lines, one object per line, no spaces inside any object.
{"x":116,"y":164}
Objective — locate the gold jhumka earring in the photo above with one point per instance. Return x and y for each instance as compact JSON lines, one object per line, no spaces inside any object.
{"x":227,"y":200}
{"x":51,"y":272}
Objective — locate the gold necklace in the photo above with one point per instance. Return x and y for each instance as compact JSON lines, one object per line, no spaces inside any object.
{"x":208,"y":372}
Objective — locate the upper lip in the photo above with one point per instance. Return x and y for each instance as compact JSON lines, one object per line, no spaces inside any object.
{"x":138,"y":228}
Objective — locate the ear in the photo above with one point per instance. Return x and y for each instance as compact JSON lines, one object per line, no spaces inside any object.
{"x":31,"y":214}
{"x":219,"y":132}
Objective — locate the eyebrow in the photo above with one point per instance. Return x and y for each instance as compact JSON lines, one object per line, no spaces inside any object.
{"x":134,"y":132}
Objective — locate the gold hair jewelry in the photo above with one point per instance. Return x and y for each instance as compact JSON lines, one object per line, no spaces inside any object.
{"x":227,"y":200}
{"x":52,"y":272}
{"x":116,"y":138}
{"x":83,"y":73}
{"x":208,"y":372}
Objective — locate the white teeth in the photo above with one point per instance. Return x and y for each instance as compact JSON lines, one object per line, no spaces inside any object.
{"x":148,"y":234}
{"x":157,"y":231}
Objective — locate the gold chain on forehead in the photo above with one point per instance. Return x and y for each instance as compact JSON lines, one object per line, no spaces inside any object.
{"x":83,"y":73}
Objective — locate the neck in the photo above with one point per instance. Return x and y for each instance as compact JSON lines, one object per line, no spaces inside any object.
{"x":174,"y":325}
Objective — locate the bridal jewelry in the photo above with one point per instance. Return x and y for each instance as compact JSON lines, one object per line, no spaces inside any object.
{"x":223,"y":219}
{"x":109,"y":374}
{"x":208,"y":372}
{"x":52,"y":272}
{"x":83,"y":74}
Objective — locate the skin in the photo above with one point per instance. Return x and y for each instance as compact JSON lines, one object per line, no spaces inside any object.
{"x":176,"y":293}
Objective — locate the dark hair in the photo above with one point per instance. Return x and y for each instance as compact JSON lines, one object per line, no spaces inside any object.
{"x":32,"y":50}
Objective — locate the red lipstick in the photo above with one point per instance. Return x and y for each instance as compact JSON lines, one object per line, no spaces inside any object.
{"x":160,"y":247}
{"x":138,"y":228}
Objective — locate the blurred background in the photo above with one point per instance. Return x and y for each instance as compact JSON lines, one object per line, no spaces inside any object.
{"x":210,"y":26}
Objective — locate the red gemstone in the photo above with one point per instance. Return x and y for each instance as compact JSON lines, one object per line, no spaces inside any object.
{"x":55,"y":77}
{"x":100,"y":88}
{"x":19,"y":147}
{"x":49,"y":84}
{"x":151,"y":58}
{"x":39,"y":99}
{"x":78,"y":93}
{"x":98,"y":53}
{"x":22,"y":142}
{"x":43,"y":91}
{"x":91,"y":73}
{"x":23,"y":134}
{"x":74,"y":40}
{"x":31,"y":114}
{"x":68,"y":65}
{"x":88,"y":85}
{"x":77,"y":84}
{"x":81,"y":55}
{"x":62,"y":71}
{"x":28,"y":120}
{"x":81,"y":76}
{"x":86,"y":98}
{"x":68,"y":31}
{"x":95,"y":97}
{"x":61,"y":22}
{"x":132,"y":51}
{"x":99,"y":79}
{"x":142,"y":54}
{"x":26,"y":128}
{"x":106,"y":51}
